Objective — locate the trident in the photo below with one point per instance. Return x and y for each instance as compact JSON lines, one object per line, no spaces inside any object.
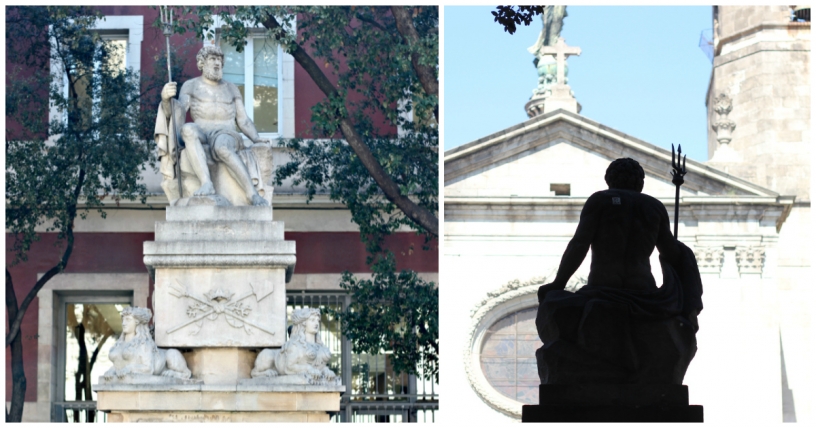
{"x":166,"y":16}
{"x":677,"y":173}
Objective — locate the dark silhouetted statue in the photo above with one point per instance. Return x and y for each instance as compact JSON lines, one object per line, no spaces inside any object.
{"x":621,"y":328}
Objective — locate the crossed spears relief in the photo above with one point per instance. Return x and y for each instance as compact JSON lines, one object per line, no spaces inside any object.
{"x":219,"y":302}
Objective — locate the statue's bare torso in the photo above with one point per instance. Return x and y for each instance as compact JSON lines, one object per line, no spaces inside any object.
{"x":212,"y":106}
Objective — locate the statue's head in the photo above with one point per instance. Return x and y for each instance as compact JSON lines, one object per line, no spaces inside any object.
{"x":136,"y":320}
{"x":625,"y":173}
{"x":305,"y":321}
{"x":210,"y":71}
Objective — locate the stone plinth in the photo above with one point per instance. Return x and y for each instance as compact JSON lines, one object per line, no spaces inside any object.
{"x":211,"y":403}
{"x":612,"y":403}
{"x":220,"y":275}
{"x":560,"y":97}
{"x":216,"y":366}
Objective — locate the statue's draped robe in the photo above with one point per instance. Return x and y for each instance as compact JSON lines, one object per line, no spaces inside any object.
{"x":610,"y":335}
{"x":167,"y":144}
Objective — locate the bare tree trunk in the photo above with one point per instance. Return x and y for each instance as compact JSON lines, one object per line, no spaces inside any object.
{"x":415,"y":212}
{"x":18,"y":386}
{"x":80,"y":378}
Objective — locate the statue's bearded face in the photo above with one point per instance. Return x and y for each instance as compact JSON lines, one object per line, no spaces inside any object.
{"x":213,"y":68}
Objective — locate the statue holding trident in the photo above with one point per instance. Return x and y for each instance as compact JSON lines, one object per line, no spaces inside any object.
{"x":621,"y":328}
{"x":193,"y":153}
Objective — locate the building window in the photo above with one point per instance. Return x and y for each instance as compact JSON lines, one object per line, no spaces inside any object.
{"x":508,"y":356}
{"x":500,"y":351}
{"x":88,"y":101}
{"x":88,"y":324}
{"x":257,"y":73}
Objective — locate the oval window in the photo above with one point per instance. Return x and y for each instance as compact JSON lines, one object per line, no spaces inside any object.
{"x":507,"y":356}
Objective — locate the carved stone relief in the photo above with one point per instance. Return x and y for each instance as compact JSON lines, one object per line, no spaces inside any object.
{"x":303,"y":359}
{"x":709,"y":259}
{"x":723,"y":126}
{"x":136,"y":358}
{"x":750,"y":259}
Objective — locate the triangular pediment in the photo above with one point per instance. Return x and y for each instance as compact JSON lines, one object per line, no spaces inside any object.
{"x":565,"y":148}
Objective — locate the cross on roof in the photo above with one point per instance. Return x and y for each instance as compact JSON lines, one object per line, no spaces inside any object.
{"x":561,"y":52}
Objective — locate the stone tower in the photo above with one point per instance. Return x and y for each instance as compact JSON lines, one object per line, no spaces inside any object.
{"x":759,"y":97}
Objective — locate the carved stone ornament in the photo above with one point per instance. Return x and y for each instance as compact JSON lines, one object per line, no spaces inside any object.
{"x":303,"y":358}
{"x":750,"y":259}
{"x":723,"y":126}
{"x":137,"y":360}
{"x":709,"y":259}
{"x":217,"y":302}
{"x":512,"y":297}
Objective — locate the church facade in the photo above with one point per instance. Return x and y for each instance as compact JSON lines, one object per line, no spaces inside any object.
{"x":106,"y":271}
{"x":513,"y":200}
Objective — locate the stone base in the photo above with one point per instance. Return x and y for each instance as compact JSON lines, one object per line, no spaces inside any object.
{"x":612,"y":403}
{"x":214,"y":403}
{"x":548,"y":413}
{"x":220,"y":417}
{"x":220,"y":365}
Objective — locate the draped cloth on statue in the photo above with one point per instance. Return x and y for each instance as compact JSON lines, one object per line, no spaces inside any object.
{"x":167,"y":144}
{"x":610,"y":335}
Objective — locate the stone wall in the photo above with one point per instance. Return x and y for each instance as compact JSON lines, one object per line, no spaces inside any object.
{"x":763,"y":65}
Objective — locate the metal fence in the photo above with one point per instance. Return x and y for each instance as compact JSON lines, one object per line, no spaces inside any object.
{"x":374,"y":392}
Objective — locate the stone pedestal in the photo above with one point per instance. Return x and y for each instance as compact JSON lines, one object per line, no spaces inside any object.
{"x":560,"y":97}
{"x":220,"y":276}
{"x":612,"y":403}
{"x":211,"y":403}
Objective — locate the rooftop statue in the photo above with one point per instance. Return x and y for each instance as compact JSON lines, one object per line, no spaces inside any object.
{"x":553,"y":20}
{"x":212,"y":140}
{"x":620,"y":328}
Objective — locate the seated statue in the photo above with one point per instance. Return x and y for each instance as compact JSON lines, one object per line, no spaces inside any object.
{"x":135,"y":357}
{"x":620,"y":328}
{"x":303,"y":358}
{"x":212,"y":140}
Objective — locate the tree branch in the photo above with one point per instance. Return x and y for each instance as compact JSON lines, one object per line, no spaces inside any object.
{"x":415,"y":212}
{"x":427,"y":75}
{"x":14,"y":327}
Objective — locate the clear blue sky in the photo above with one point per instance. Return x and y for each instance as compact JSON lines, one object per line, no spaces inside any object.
{"x":640,"y":72}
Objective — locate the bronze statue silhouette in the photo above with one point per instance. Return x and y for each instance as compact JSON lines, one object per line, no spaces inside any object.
{"x":620,"y":328}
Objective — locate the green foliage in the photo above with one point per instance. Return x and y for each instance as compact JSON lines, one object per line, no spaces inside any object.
{"x":397,"y":312}
{"x":89,"y":152}
{"x":508,"y":17}
{"x":360,"y":48}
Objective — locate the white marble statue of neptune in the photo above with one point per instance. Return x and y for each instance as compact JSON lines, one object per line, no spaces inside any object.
{"x":218,"y":113}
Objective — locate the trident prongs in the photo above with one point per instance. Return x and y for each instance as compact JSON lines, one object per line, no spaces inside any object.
{"x":678,"y":171}
{"x":679,"y":166}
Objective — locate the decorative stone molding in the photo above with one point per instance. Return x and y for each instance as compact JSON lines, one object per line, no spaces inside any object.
{"x":514,"y":296}
{"x":723,"y":126}
{"x":750,"y":259}
{"x":709,"y":259}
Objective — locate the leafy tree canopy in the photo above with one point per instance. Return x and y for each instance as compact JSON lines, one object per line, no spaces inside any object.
{"x":72,"y":141}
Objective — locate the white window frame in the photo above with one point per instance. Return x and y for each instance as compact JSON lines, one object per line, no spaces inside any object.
{"x":286,"y":81}
{"x":132,"y":26}
{"x":249,"y":84}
